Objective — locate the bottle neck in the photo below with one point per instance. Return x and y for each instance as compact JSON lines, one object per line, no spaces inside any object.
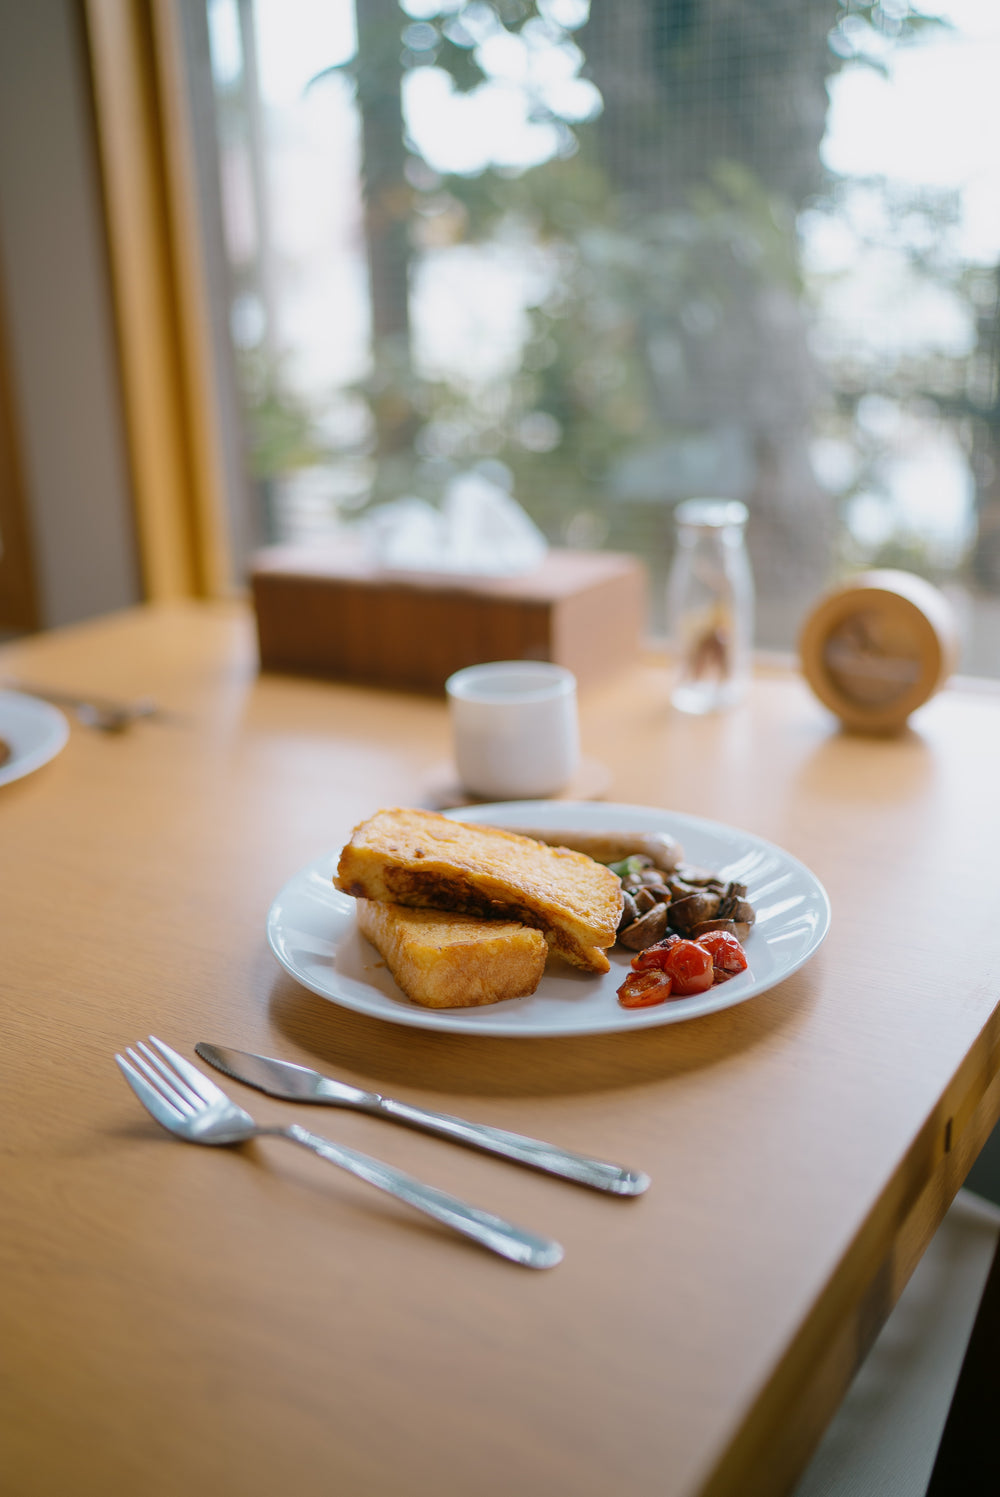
{"x":731,"y":536}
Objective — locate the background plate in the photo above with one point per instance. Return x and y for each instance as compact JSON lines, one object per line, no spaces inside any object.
{"x":312,"y":931}
{"x":34,"y":731}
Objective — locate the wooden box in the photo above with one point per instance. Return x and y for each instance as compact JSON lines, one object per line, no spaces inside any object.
{"x":333,"y":613}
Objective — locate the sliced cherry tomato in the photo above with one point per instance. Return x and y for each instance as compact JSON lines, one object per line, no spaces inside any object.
{"x":643,"y":989}
{"x":728,"y":956}
{"x":654,"y":956}
{"x":690,"y":968}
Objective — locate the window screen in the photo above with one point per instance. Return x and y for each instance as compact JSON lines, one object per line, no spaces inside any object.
{"x":612,"y":256}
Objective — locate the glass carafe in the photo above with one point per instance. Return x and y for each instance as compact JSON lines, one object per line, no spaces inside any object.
{"x":710,"y":605}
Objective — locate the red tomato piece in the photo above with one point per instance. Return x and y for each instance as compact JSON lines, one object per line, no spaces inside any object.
{"x":654,"y":956}
{"x":728,"y":956}
{"x":690,"y":968}
{"x":643,"y":989}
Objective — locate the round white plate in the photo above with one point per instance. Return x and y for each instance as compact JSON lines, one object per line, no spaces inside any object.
{"x":312,"y":931}
{"x":34,"y":731}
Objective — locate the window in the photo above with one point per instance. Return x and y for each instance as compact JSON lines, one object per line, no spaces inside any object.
{"x":611,"y":256}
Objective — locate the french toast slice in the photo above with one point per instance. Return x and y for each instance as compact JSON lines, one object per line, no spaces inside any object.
{"x":442,"y":960}
{"x":421,"y":859}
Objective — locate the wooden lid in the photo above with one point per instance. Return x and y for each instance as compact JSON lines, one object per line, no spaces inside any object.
{"x":877,"y":646}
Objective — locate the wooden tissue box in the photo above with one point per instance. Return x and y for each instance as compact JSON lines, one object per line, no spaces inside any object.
{"x":331,"y":612}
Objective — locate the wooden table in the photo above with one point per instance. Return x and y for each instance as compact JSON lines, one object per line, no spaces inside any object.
{"x":179,"y":1319}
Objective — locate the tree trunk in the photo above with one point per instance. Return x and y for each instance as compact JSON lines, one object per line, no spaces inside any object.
{"x":387,"y":198}
{"x":985,"y":560}
{"x":690,"y":86}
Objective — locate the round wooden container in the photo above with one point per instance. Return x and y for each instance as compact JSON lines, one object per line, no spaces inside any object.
{"x":877,"y":646}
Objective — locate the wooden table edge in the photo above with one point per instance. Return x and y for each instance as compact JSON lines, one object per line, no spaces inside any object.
{"x":771,"y":1449}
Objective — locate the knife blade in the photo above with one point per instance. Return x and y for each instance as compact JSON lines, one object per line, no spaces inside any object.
{"x":295,"y":1083}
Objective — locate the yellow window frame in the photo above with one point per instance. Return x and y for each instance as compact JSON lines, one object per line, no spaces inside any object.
{"x":159,"y":287}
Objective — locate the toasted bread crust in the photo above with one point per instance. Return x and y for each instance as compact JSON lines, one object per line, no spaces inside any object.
{"x":421,"y":859}
{"x":454,"y":961}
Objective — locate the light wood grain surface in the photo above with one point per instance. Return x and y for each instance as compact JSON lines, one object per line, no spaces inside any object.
{"x":176,"y":1319}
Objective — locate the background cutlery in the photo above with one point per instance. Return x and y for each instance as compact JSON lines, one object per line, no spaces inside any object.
{"x":103,"y":713}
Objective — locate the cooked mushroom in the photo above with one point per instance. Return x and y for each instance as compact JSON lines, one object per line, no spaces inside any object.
{"x":732,"y":906}
{"x":688,"y":873}
{"x":629,"y":912}
{"x":645,"y":931}
{"x":644,"y":899}
{"x":687,"y":900}
{"x":693,"y":910}
{"x":703,"y":929}
{"x":680,"y":888}
{"x":743,"y":917}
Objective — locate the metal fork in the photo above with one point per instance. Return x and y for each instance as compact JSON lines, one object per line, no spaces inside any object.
{"x":183,"y":1100}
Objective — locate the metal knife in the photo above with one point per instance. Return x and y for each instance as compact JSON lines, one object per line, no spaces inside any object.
{"x":279,"y":1078}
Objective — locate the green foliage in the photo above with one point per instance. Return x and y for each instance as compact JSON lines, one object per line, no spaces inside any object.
{"x":283,"y":428}
{"x":674,"y":306}
{"x":867,"y":29}
{"x":445,"y":38}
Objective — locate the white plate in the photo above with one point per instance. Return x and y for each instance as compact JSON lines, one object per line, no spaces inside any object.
{"x":34,"y":732}
{"x":312,"y":931}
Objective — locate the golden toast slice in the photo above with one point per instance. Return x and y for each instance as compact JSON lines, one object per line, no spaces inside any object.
{"x":454,"y":961}
{"x":421,"y":859}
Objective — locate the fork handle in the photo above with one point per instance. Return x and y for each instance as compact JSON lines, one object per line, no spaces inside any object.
{"x":596,"y":1173}
{"x":526,"y":1248}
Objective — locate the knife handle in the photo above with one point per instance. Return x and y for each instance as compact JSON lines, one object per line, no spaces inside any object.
{"x":596,"y":1173}
{"x":526,"y":1248}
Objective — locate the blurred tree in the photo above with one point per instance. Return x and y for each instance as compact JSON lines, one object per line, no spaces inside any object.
{"x":983,"y":409}
{"x":283,"y":434}
{"x":713,"y":115}
{"x":388,"y":205}
{"x":918,"y":385}
{"x":669,"y":346}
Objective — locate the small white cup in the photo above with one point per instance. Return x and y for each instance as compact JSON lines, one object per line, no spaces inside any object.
{"x":515,"y":728}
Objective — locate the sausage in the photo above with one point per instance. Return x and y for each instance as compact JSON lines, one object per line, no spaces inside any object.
{"x":611,"y":846}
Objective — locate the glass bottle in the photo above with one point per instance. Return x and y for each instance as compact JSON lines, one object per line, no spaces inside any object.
{"x":710,"y":605}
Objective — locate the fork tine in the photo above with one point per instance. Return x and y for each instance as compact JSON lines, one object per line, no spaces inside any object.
{"x":168,"y":1085}
{"x":196,"y":1080}
{"x":165,"y":1113}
